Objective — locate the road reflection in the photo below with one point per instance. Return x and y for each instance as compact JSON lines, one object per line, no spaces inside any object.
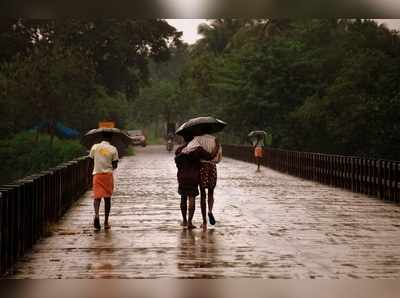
{"x":198,"y":254}
{"x":103,"y":244}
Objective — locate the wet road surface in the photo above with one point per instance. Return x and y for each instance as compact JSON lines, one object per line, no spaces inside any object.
{"x":268,"y":225}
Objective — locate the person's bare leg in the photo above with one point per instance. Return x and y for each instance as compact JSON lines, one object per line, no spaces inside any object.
{"x":211,"y":205}
{"x":107,"y":208}
{"x":203,"y":206}
{"x":210,"y":199}
{"x":192,"y":208}
{"x":96,"y":205}
{"x":184,"y":210}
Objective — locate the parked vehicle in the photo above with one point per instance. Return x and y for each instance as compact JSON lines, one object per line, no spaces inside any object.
{"x":138,"y":138}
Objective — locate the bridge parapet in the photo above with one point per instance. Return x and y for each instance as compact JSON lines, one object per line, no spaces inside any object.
{"x":29,"y":205}
{"x":377,"y":178}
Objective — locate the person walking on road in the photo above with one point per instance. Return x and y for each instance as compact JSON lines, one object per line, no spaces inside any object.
{"x":258,"y":150}
{"x":208,"y":173}
{"x":105,"y":158}
{"x":188,"y":165}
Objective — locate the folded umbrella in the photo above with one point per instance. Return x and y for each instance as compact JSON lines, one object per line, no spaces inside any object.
{"x":201,"y":125}
{"x":95,"y":136}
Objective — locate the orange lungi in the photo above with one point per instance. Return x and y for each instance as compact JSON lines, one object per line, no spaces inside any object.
{"x":258,"y":152}
{"x":103,"y":185}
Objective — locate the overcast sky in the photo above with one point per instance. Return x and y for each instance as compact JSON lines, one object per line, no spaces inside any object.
{"x":189,"y":27}
{"x":391,"y":23}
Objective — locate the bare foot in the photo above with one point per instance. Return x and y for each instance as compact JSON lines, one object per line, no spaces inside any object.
{"x":184,"y":223}
{"x":204,"y":226}
{"x":107,"y":226}
{"x":191,"y":226}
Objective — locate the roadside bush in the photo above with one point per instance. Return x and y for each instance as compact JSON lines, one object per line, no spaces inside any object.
{"x":130,"y":151}
{"x":27,"y":153}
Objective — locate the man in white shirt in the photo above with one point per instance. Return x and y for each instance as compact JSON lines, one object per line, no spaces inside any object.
{"x":105,"y":158}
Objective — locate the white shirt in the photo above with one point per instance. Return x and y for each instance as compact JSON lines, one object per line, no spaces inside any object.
{"x":207,"y":142}
{"x":103,"y":155}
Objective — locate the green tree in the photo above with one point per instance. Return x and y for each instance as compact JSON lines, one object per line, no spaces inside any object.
{"x":55,"y":84}
{"x":120,"y":49}
{"x":325,"y":85}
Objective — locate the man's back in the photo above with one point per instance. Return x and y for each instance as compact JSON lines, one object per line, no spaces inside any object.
{"x":103,"y":155}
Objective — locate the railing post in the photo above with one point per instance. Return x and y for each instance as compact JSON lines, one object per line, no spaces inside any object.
{"x":4,"y":233}
{"x":11,"y":224}
{"x":24,"y":216}
{"x":380,"y":178}
{"x":385,"y":180}
{"x":397,"y":182}
{"x":374,"y":177}
{"x":391,"y":180}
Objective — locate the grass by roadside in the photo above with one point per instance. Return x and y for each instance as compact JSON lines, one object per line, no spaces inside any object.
{"x":26,"y":153}
{"x":154,"y":139}
{"x":130,"y":151}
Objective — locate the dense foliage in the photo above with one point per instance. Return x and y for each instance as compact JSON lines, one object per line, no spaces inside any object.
{"x":76,"y":72}
{"x":322,"y":85}
{"x":27,"y":153}
{"x":73,"y":72}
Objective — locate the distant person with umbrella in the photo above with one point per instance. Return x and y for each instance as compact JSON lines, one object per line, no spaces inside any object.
{"x":105,"y":157}
{"x":202,"y":127}
{"x":258,"y":141}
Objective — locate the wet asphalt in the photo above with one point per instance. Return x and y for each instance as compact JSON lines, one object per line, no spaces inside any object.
{"x":269,"y":225}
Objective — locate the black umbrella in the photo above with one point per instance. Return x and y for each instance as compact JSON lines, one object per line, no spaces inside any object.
{"x":257,"y":133}
{"x":201,"y":125}
{"x":119,"y":138}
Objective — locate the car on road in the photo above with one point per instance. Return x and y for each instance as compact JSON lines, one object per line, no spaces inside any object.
{"x":138,"y":138}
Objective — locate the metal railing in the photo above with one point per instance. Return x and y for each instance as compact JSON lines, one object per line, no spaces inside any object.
{"x":30,"y":205}
{"x":378,"y":178}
